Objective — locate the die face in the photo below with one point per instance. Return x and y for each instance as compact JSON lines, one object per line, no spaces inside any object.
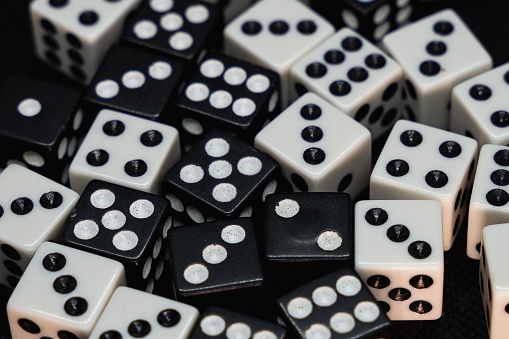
{"x":216,"y":322}
{"x":319,"y":147}
{"x":174,"y":27}
{"x":420,"y":162}
{"x":399,"y":255}
{"x":478,"y":107}
{"x":138,"y":314}
{"x":136,"y":82}
{"x":355,"y":76}
{"x":215,"y":256}
{"x":336,"y":304}
{"x":32,"y":210}
{"x":488,"y":204}
{"x":152,"y":149}
{"x":62,"y":301}
{"x":308,"y":226}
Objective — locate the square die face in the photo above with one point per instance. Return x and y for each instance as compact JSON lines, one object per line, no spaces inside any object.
{"x":214,"y":256}
{"x":308,"y":226}
{"x":399,"y":255}
{"x":319,"y":147}
{"x":32,"y":210}
{"x":220,"y":323}
{"x":125,"y":150}
{"x":334,"y":305}
{"x":61,"y":291}
{"x":132,"y":313}
{"x":136,"y":82}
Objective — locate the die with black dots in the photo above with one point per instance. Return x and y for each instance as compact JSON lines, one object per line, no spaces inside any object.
{"x":420,"y":162}
{"x":125,"y":150}
{"x":355,"y":76}
{"x":227,"y":93}
{"x":215,"y":256}
{"x":490,"y":195}
{"x":318,"y":147}
{"x":62,"y":293}
{"x":478,"y":107}
{"x":73,"y":36}
{"x":399,"y":255}
{"x":132,"y":313}
{"x":33,"y":209}
{"x":220,"y":323}
{"x":41,"y":123}
{"x":337,"y":305}
{"x":122,"y":224}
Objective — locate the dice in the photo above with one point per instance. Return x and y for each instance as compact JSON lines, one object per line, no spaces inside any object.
{"x":125,"y":150}
{"x":135,"y":82}
{"x":355,"y":76}
{"x":319,"y":147}
{"x":399,"y":255}
{"x":73,"y":36}
{"x":420,"y":162}
{"x":270,"y":35}
{"x":448,"y":54}
{"x":125,"y":225}
{"x":41,"y":123}
{"x":488,"y":204}
{"x":493,"y":279}
{"x":62,"y":293}
{"x":216,"y":322}
{"x":33,"y":209}
{"x":333,"y":306}
{"x":139,"y":314}
{"x":215,"y":256}
{"x":478,"y":107}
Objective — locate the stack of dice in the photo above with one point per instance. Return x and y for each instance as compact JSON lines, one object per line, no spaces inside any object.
{"x":214,"y":159}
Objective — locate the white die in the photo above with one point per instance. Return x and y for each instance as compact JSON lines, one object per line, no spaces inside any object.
{"x":121,"y":157}
{"x":399,"y":255}
{"x":355,"y":76}
{"x":456,"y":55}
{"x":33,"y":209}
{"x":494,"y":279}
{"x":299,"y":30}
{"x":337,"y":148}
{"x":62,"y":290}
{"x":130,"y":312}
{"x":74,"y":35}
{"x":490,"y":197}
{"x":437,"y":165}
{"x":479,"y":108}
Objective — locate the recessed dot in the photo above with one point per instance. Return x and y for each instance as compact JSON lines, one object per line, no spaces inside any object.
{"x":430,"y":68}
{"x":160,"y":70}
{"x":125,"y":240}
{"x":33,"y":159}
{"x":233,"y":234}
{"x":273,"y":101}
{"x":29,"y":326}
{"x":287,"y":208}
{"x":329,"y":240}
{"x":159,"y":269}
{"x":497,"y":197}
{"x":366,"y":311}
{"x":169,"y":318}
{"x":351,"y":43}
{"x":249,"y":166}
{"x":217,"y":147}
{"x":113,"y":220}
{"x":10,"y":252}
{"x":348,"y":285}
{"x":181,"y":41}
{"x":146,"y":268}
{"x":89,"y":18}
{"x":350,"y":19}
{"x":86,"y":229}
{"x":133,"y":79}
{"x":175,"y":202}
{"x":500,"y":119}
{"x":278,"y":27}
{"x":299,"y":182}
{"x":381,"y":30}
{"x":49,"y":200}
{"x":316,"y":70}
{"x":378,"y":281}
{"x":340,"y":88}
{"x":251,"y":27}
{"x":411,"y":138}
{"x":265,"y":334}
{"x":214,"y":254}
{"x":212,"y":325}
{"x":212,"y":68}
{"x":342,"y":322}
{"x":197,"y":92}
{"x":135,"y":168}
{"x":398,"y":233}
{"x":139,"y":328}
{"x":161,"y":6}
{"x":102,"y":198}
{"x":224,"y":192}
{"x":421,"y":307}
{"x":318,"y":331}
{"x":419,"y":249}
{"x":192,"y":126}
{"x":258,"y":83}
{"x":65,"y":284}
{"x":235,"y":76}
{"x":299,"y":308}
{"x":436,"y":179}
{"x":141,"y":209}
{"x":78,"y":119}
{"x":196,"y":274}
{"x":157,"y":246}
{"x":54,"y":262}
{"x":197,"y":14}
{"x":324,"y":296}
{"x":269,"y":189}
{"x":29,"y":107}
{"x":314,"y":156}
{"x":171,"y":21}
{"x":421,"y":281}
{"x":220,"y":169}
{"x":195,"y":214}
{"x":191,"y":174}
{"x":145,"y":29}
{"x":246,"y":212}
{"x":443,"y":27}
{"x":397,"y":167}
{"x":220,"y":99}
{"x":244,"y":107}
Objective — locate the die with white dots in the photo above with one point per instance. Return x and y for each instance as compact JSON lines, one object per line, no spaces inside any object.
{"x":62,"y":293}
{"x":33,"y":209}
{"x":337,"y":305}
{"x":478,"y":107}
{"x":399,"y":255}
{"x":227,"y":93}
{"x":132,"y":313}
{"x":73,"y":36}
{"x":215,"y":256}
{"x":319,"y":147}
{"x":436,"y":53}
{"x":27,"y":105}
{"x":122,"y":224}
{"x":220,"y":323}
{"x":490,"y":195}
{"x":221,"y":177}
{"x":355,"y":76}
{"x":135,"y":82}
{"x":270,"y":35}
{"x":125,"y":150}
{"x":420,"y":162}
